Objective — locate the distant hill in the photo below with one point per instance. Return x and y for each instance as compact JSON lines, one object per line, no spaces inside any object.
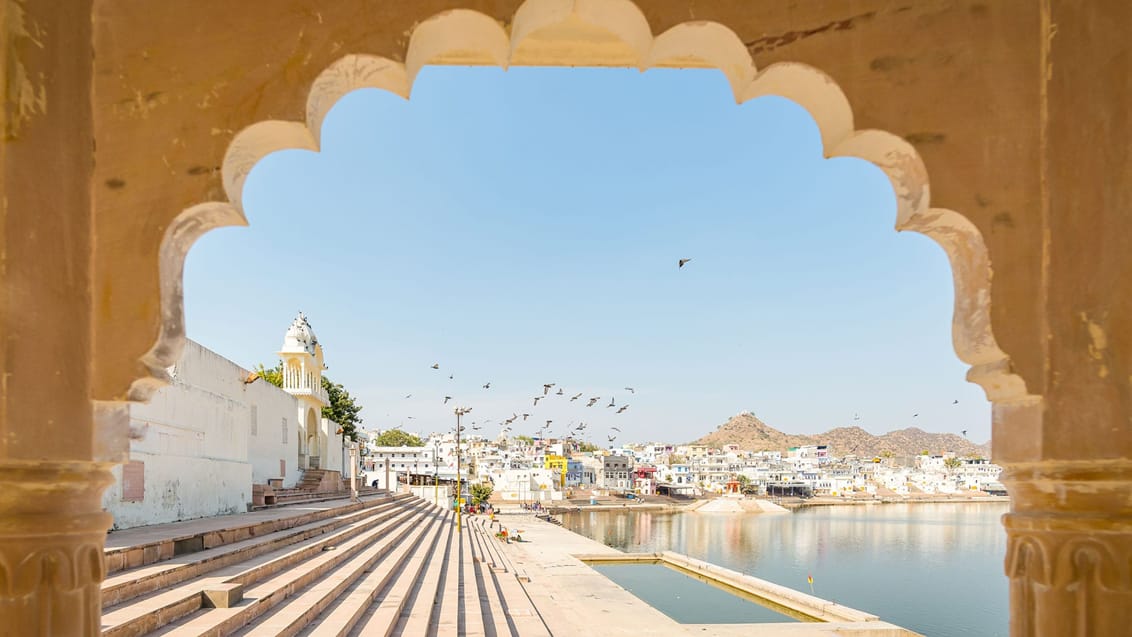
{"x":752,"y":434}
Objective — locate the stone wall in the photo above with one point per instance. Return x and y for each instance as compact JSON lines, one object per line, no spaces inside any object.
{"x":202,"y":441}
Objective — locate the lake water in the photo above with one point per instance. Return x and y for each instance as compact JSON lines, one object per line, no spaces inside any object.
{"x":934,"y":568}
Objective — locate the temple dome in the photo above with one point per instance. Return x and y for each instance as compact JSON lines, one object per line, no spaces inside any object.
{"x":300,"y":337}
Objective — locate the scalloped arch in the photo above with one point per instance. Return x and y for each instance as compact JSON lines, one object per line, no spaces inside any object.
{"x":615,"y":33}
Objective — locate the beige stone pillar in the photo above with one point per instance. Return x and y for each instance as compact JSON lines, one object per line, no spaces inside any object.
{"x":52,"y":527}
{"x":1069,"y":549}
{"x":52,"y":532}
{"x":1068,"y":455}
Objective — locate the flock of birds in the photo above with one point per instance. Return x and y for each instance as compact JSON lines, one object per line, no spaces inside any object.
{"x":573,"y":429}
{"x":580,"y":428}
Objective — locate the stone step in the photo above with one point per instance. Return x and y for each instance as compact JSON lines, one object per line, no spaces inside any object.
{"x":142,"y":553}
{"x":375,"y":602}
{"x":495,"y":546}
{"x":380,"y":561}
{"x":489,"y":592}
{"x":522,"y":616}
{"x":471,"y":616}
{"x":264,"y":595}
{"x":423,"y":606}
{"x":446,"y":620}
{"x":152,"y":611}
{"x":126,"y":585}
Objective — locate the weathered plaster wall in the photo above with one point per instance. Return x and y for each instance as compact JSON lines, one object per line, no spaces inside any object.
{"x":274,"y":437}
{"x":196,"y":442}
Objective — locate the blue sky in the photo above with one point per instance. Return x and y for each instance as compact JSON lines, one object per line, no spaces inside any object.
{"x":523,"y":227}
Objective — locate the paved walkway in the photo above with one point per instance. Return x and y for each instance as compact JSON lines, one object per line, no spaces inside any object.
{"x":571,"y":596}
{"x":141,"y":535}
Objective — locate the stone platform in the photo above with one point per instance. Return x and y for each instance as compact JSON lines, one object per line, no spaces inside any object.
{"x":388,"y":565}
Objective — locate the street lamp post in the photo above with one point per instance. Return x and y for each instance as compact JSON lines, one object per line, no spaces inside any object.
{"x":460,"y":411}
{"x":436,"y":472}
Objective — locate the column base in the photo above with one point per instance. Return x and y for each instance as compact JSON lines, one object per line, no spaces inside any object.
{"x":52,"y":534}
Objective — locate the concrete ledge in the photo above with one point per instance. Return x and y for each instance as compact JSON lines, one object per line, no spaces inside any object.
{"x":222,"y":595}
{"x":797,"y":601}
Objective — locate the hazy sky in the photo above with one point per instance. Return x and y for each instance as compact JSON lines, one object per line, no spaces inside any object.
{"x":523,"y":227}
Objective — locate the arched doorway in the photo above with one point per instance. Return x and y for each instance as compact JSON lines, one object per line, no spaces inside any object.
{"x":1022,"y":144}
{"x":313,"y":440}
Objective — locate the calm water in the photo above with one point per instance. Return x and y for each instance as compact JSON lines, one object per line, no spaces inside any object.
{"x":933,"y":568}
{"x":687,"y":599}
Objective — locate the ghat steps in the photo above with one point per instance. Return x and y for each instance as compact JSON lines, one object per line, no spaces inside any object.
{"x":388,"y":565}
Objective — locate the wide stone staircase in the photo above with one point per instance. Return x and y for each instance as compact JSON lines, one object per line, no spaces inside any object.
{"x":389,"y":565}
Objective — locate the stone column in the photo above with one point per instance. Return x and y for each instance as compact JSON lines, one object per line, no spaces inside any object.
{"x":52,"y":532}
{"x":1069,"y":548}
{"x":54,"y":457}
{"x":1068,"y":455}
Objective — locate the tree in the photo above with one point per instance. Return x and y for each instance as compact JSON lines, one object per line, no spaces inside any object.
{"x":273,"y":375}
{"x":676,"y":458}
{"x":481,"y":493}
{"x":952,"y":463}
{"x":526,"y":439}
{"x":343,"y":409}
{"x":398,"y":438}
{"x":587,"y":446}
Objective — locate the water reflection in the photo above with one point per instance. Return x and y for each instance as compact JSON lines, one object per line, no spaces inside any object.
{"x":934,"y":568}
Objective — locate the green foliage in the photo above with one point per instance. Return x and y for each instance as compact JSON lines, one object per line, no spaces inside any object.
{"x":952,"y":463}
{"x":273,"y":375}
{"x":480,"y":493}
{"x":343,"y":409}
{"x":675,"y":458}
{"x":526,"y":439}
{"x":398,"y":438}
{"x":587,"y":446}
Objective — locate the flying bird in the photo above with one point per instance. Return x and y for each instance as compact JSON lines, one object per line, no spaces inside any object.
{"x":487,"y":385}
{"x":615,"y":429}
{"x":525,"y":416}
{"x":450,"y":377}
{"x":955,"y":402}
{"x":546,"y":388}
{"x":915,"y":415}
{"x":630,"y":390}
{"x":548,"y":423}
{"x":856,"y":417}
{"x":964,"y":432}
{"x":537,"y":398}
{"x":576,"y":396}
{"x":612,"y":403}
{"x":623,"y":408}
{"x":560,"y":392}
{"x":446,"y":399}
{"x":408,"y":395}
{"x":593,"y":401}
{"x":683,"y":261}
{"x":436,"y":365}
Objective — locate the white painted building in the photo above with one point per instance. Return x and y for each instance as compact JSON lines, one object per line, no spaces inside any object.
{"x":201,"y":442}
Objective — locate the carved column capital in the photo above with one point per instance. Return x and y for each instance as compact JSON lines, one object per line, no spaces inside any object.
{"x":1069,"y":548}
{"x":52,"y":533}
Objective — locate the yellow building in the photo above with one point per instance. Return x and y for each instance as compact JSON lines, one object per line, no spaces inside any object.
{"x":558,"y":463}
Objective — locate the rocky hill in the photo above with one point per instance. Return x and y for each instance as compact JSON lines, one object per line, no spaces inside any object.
{"x":752,"y":434}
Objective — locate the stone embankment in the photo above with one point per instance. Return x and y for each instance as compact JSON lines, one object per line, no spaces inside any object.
{"x":737,"y":505}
